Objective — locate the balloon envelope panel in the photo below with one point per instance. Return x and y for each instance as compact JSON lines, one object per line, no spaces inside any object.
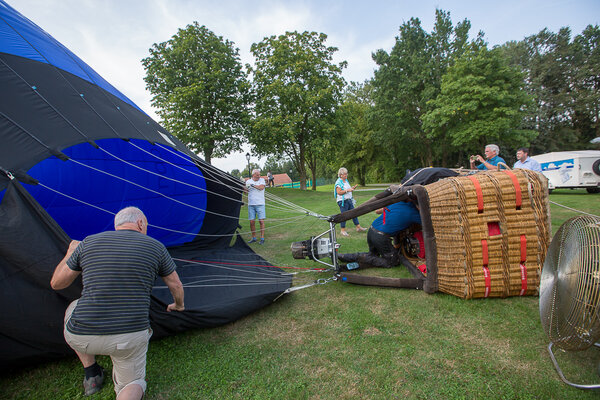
{"x":95,"y":183}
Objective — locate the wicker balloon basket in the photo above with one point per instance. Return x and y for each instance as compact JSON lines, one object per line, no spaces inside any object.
{"x":492,"y":231}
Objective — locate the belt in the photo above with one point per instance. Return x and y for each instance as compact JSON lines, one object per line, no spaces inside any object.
{"x":379,"y":232}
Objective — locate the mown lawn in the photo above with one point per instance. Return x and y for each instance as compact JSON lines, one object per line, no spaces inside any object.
{"x":340,"y":341}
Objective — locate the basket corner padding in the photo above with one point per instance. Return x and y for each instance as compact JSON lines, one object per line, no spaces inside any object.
{"x":430,"y":285}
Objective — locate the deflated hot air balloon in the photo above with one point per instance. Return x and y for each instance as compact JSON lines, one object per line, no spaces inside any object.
{"x":73,"y":152}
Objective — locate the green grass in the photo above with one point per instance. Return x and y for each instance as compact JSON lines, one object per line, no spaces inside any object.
{"x":340,"y":341}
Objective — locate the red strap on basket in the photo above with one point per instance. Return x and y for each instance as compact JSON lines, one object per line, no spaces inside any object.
{"x":515,"y":181}
{"x":484,"y":249}
{"x":522,"y":265}
{"x":486,"y":270}
{"x":488,"y":281}
{"x":479,"y":193}
{"x":523,"y":279}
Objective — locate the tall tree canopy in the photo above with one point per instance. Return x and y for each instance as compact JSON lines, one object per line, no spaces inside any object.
{"x":407,"y":78}
{"x":563,"y":77}
{"x":200,"y":90}
{"x":481,"y":101}
{"x":297,"y":90}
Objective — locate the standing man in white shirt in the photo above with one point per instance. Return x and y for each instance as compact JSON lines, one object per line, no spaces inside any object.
{"x":256,"y":204}
{"x":526,"y":162}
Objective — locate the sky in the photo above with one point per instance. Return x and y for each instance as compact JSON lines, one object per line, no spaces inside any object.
{"x":113,"y":36}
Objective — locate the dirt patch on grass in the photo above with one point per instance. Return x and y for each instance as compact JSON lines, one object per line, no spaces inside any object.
{"x":372,"y":331}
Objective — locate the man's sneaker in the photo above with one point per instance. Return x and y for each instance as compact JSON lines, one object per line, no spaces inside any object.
{"x":94,"y":384}
{"x":262,"y":241}
{"x":253,"y":240}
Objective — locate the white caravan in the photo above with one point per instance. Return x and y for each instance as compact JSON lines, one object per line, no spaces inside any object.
{"x":572,"y":169}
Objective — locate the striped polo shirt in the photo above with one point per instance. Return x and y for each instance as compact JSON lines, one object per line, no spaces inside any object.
{"x":118,"y":270}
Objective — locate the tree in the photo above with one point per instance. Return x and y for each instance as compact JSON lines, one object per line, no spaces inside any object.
{"x":357,"y":151}
{"x":248,"y":173}
{"x":586,"y":84}
{"x":297,"y":90}
{"x":200,"y":90}
{"x":280,"y":165}
{"x":407,"y":78}
{"x":562,"y":77}
{"x":481,"y":101}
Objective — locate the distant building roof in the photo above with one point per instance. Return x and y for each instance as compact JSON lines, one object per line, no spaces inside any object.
{"x":278,"y":179}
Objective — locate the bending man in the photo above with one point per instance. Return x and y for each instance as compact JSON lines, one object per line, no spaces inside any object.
{"x":111,"y":318}
{"x":394,"y":219}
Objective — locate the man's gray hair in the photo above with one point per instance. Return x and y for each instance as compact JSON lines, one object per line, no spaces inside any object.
{"x":494,"y":148}
{"x":255,"y":170}
{"x":342,"y":171}
{"x":129,"y":214}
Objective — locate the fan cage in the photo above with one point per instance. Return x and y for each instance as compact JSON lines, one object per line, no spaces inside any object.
{"x":570,"y":285}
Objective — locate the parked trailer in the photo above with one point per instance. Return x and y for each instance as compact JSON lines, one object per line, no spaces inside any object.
{"x":572,"y":169}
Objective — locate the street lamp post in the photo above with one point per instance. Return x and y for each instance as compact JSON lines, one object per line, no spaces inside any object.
{"x":248,"y":158}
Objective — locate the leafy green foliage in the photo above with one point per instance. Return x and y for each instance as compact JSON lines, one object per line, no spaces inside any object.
{"x":481,"y":101}
{"x":562,"y":76}
{"x":297,"y":89}
{"x":356,"y":149}
{"x":407,"y":79}
{"x":200,"y":90}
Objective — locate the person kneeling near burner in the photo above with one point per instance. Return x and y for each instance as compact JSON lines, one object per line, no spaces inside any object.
{"x":382,"y":253}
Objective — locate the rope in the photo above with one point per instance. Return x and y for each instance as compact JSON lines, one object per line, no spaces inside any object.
{"x":150,"y":190}
{"x":32,"y":87}
{"x":230,"y":262}
{"x":573,"y":209}
{"x":287,"y":205}
{"x":268,"y":195}
{"x":85,"y":71}
{"x":262,"y":278}
{"x":291,"y":206}
{"x":167,"y":177}
{"x":211,"y":179}
{"x":208,"y":167}
{"x":291,"y":219}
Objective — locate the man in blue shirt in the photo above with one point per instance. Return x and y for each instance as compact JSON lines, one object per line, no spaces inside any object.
{"x":491,"y":160}
{"x":393,"y":219}
{"x":526,"y":162}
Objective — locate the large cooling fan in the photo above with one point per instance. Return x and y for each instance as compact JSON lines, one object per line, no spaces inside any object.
{"x":570,"y":288}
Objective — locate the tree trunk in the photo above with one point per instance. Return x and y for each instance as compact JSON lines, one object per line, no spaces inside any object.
{"x":362,"y":176}
{"x":312,"y":165}
{"x":429,"y":155}
{"x":302,"y":167}
{"x":208,"y":151}
{"x":302,"y":173}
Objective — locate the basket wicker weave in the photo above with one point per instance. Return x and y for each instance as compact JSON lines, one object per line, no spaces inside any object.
{"x":492,"y":232}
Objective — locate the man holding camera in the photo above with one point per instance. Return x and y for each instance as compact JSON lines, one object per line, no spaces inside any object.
{"x":491,"y":161}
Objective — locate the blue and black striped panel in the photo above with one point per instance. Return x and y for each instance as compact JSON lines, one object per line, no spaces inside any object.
{"x":95,"y":183}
